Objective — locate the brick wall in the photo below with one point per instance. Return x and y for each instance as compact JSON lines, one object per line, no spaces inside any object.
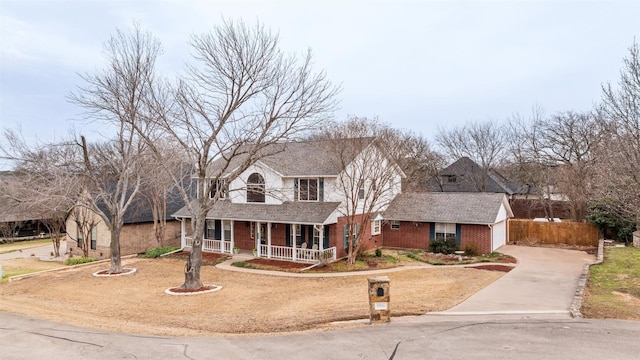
{"x":242,"y":235}
{"x":368,"y":241}
{"x":409,"y":235}
{"x":134,"y":239}
{"x":476,"y":234}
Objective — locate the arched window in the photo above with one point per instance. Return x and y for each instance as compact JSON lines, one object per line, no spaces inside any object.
{"x":255,"y":188}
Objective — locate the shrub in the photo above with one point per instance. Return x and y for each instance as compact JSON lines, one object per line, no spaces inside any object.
{"x":471,"y":249}
{"x":378,"y":252}
{"x":443,"y":246}
{"x":154,"y":253}
{"x":79,"y":260}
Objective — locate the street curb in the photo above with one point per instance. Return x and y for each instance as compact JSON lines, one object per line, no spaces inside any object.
{"x":578,"y":298}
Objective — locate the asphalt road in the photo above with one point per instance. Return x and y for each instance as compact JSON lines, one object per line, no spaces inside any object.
{"x":404,"y":338}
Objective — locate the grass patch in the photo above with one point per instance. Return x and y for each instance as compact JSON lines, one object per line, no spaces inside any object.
{"x":613,"y":290}
{"x":159,"y":251}
{"x":15,"y":267}
{"x":79,"y":260}
{"x":20,"y":245}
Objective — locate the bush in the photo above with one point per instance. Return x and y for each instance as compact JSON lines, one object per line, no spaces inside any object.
{"x":154,"y":253}
{"x":471,"y":249}
{"x":79,"y":260}
{"x":378,"y":252}
{"x":443,"y":246}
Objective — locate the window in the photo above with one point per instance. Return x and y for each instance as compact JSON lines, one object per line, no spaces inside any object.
{"x":220,"y":186}
{"x":226,"y":226}
{"x":451,"y":178}
{"x":210,"y":229}
{"x":308,"y":189}
{"x":296,"y":234}
{"x":375,"y":227}
{"x":255,"y":188}
{"x":354,"y":234}
{"x":361,"y":193}
{"x":94,"y":238}
{"x":79,"y":238}
{"x":445,"y":231}
{"x":395,"y":224}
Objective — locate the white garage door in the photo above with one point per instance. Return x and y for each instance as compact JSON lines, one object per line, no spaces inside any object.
{"x":499,"y":235}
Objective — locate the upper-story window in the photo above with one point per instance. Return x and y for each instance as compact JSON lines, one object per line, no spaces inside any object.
{"x":219,"y":186}
{"x":255,"y":188}
{"x":308,"y":189}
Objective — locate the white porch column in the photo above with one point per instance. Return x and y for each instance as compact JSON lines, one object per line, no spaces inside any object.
{"x":321,"y":241}
{"x":222,"y":236}
{"x":232,"y":237}
{"x":256,"y":235}
{"x":269,"y":240}
{"x":292,"y":238}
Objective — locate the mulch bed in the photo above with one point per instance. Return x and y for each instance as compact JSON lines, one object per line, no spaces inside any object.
{"x":184,"y":291}
{"x":285,"y":265}
{"x":503,"y":268}
{"x":109,"y":273}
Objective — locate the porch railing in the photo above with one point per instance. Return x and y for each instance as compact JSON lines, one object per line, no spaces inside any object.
{"x":302,"y":255}
{"x":211,"y":245}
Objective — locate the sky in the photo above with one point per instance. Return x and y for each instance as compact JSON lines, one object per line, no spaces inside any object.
{"x":418,"y":65}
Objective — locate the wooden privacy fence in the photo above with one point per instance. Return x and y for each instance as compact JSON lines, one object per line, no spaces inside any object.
{"x":569,"y":233}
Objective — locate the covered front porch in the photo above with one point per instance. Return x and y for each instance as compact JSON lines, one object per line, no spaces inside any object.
{"x":308,"y":243}
{"x":292,"y":231}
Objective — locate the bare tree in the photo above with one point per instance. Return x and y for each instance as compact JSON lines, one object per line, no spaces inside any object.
{"x":158,"y":186}
{"x":558,"y":151}
{"x":365,"y":151}
{"x":118,"y":95}
{"x":45,"y":184}
{"x":412,"y":152}
{"x":482,"y":142}
{"x":242,"y":95}
{"x":618,"y":170}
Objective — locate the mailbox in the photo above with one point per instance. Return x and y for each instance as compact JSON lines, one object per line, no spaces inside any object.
{"x":379,"y":300}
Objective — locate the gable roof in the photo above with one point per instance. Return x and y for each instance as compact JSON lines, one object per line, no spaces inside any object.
{"x":457,"y":207}
{"x":299,"y":158}
{"x":287,"y":212}
{"x":467,"y":171}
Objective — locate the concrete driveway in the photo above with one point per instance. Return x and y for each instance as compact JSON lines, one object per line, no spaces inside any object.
{"x":544,"y":282}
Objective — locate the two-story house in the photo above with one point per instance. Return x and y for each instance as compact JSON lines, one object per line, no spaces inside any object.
{"x":293,"y":204}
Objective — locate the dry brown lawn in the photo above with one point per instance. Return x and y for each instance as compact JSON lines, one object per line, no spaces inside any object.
{"x":247,"y":303}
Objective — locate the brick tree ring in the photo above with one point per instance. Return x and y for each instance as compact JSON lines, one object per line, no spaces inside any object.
{"x":183,"y":292}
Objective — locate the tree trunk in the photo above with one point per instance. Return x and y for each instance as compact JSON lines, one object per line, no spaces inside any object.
{"x":55,"y":239}
{"x":194,"y":262}
{"x":192,"y":267}
{"x":116,"y":260}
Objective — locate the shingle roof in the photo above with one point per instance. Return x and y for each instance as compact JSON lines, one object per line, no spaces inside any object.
{"x":467,"y":172}
{"x":301,"y":158}
{"x":287,"y":212}
{"x":457,"y":207}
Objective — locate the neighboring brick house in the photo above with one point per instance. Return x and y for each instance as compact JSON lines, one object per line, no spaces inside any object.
{"x":413,"y":219}
{"x":289,"y":205}
{"x":137,"y":234}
